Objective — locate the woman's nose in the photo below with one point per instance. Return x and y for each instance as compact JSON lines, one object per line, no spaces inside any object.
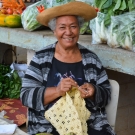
{"x":68,"y":31}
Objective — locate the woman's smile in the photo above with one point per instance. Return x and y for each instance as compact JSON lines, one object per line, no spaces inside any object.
{"x":68,"y":39}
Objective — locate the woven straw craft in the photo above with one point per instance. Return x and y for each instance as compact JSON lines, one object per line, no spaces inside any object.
{"x":69,"y":114}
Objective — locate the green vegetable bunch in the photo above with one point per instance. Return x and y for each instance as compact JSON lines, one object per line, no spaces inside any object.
{"x":114,"y":7}
{"x":10,"y":83}
{"x":4,"y":69}
{"x":85,"y":29}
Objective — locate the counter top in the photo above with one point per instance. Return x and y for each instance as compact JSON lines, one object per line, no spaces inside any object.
{"x":115,"y":59}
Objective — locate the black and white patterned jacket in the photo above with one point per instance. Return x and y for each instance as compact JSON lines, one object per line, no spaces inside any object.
{"x":34,"y":86}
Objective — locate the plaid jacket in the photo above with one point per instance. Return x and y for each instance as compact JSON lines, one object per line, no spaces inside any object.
{"x":34,"y":86}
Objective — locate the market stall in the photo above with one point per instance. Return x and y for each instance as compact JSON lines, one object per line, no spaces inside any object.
{"x":118,"y":62}
{"x":115,"y":59}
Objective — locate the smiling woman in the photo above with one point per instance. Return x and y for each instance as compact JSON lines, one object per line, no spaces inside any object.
{"x":59,"y":67}
{"x":67,"y":33}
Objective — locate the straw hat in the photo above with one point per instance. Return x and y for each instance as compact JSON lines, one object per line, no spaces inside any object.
{"x":72,"y":8}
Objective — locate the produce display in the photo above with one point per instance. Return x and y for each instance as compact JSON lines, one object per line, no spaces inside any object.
{"x":10,"y":83}
{"x":114,"y":8}
{"x":2,"y":20}
{"x":13,"y":21}
{"x":28,"y":17}
{"x":107,"y":28}
{"x":12,"y":6}
{"x":10,"y":13}
{"x":114,"y":24}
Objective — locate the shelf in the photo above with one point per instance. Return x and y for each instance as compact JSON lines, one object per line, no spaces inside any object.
{"x":115,"y":59}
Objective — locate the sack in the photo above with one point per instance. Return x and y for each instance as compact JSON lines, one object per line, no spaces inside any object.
{"x":69,"y":114}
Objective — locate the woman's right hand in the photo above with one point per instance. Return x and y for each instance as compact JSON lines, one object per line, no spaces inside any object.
{"x":65,"y":85}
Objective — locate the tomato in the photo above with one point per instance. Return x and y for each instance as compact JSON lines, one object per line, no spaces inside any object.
{"x":3,"y":11}
{"x":97,"y":9}
{"x":9,"y":11}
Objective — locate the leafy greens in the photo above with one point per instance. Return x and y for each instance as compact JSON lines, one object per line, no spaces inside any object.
{"x":114,"y":7}
{"x":10,"y":83}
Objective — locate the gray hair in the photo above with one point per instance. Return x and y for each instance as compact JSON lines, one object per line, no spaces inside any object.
{"x":52,"y":22}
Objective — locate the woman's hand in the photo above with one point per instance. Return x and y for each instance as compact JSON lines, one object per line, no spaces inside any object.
{"x":65,"y":85}
{"x":87,"y":90}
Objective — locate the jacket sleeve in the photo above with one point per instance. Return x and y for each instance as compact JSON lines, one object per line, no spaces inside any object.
{"x":100,"y":81}
{"x":32,"y":91}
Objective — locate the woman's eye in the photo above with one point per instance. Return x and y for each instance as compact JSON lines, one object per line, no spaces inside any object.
{"x":73,"y":26}
{"x":62,"y":27}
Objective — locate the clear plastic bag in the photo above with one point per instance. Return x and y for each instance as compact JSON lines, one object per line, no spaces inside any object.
{"x":123,"y":27}
{"x":90,"y":2}
{"x":28,"y":16}
{"x":99,"y":31}
{"x":112,"y":34}
{"x":53,"y":3}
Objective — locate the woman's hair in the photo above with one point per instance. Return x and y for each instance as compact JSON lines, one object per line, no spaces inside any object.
{"x":52,"y":22}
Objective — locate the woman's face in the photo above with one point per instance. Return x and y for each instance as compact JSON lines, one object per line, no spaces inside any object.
{"x":67,"y":31}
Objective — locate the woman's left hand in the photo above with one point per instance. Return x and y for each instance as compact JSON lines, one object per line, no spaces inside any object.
{"x":87,"y":90}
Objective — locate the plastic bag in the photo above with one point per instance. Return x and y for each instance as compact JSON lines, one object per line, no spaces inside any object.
{"x":28,"y":16}
{"x":20,"y":68}
{"x":90,"y":2}
{"x":123,"y":27}
{"x":99,"y":31}
{"x":6,"y":68}
{"x":53,"y":3}
{"x":85,"y":29}
{"x":112,"y":34}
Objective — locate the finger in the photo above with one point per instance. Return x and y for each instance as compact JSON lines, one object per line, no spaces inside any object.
{"x":83,"y":96}
{"x":86,"y":96}
{"x":68,"y":79}
{"x":83,"y":91}
{"x":71,"y":81}
{"x":67,"y":86}
{"x":84,"y":86}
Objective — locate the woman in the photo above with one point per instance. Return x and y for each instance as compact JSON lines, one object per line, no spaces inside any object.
{"x":59,"y":66}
